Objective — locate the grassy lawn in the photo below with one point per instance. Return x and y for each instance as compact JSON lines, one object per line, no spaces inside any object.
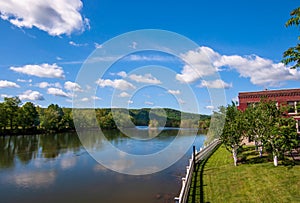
{"x":255,"y":180}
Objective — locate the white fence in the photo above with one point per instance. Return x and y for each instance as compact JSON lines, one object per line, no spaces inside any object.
{"x":186,"y":181}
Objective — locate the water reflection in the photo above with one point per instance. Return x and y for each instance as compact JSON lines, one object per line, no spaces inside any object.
{"x":56,"y":168}
{"x":27,"y":148}
{"x":33,"y":179}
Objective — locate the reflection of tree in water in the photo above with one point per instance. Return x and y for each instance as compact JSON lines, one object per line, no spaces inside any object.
{"x":53,"y":145}
{"x":7,"y":149}
{"x":26,"y":148}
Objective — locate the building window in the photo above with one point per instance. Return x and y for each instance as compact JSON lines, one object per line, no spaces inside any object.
{"x":291,"y":107}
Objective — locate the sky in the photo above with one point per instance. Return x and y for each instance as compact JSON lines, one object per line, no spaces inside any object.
{"x":45,"y":44}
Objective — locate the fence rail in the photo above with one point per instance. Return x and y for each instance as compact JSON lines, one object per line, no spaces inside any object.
{"x":195,"y":158}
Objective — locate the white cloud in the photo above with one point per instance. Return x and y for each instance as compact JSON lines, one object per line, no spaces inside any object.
{"x":76,"y":44}
{"x":31,"y":95}
{"x":210,"y":107}
{"x":5,"y":95}
{"x":21,"y":80}
{"x":123,"y":74}
{"x":261,"y":71}
{"x":58,"y":92}
{"x":72,"y":86}
{"x":124,"y":94}
{"x":215,"y":84}
{"x":46,"y":84}
{"x":133,"y":45}
{"x":117,"y":84}
{"x":56,"y":17}
{"x":147,"y":78}
{"x":181,"y":101}
{"x":96,"y":98}
{"x":174,"y":91}
{"x":44,"y":70}
{"x":235,"y":99}
{"x":85,"y":99}
{"x":130,"y":102}
{"x":160,"y":58}
{"x":59,"y":58}
{"x":5,"y":84}
{"x":149,"y":103}
{"x":199,"y":64}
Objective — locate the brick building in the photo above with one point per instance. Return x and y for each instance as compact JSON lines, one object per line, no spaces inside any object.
{"x":290,"y":97}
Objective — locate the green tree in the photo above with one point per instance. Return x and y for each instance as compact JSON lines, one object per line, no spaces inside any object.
{"x":260,"y":121}
{"x":107,"y":121}
{"x":3,"y":117}
{"x":267,"y":125}
{"x":216,"y":124}
{"x":11,"y":108}
{"x":283,"y":139}
{"x":67,"y":118}
{"x":51,"y":119}
{"x":292,"y":55}
{"x":28,"y":116}
{"x":233,"y":131}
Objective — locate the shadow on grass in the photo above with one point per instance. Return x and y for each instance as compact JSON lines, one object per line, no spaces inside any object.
{"x":249,"y":155}
{"x":196,"y":193}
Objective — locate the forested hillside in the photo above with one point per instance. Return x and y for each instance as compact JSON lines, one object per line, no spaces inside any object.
{"x":18,"y":118}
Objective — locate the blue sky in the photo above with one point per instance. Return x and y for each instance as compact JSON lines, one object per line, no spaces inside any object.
{"x":44,"y":45}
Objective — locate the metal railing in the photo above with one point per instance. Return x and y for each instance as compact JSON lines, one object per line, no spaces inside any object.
{"x":195,"y":158}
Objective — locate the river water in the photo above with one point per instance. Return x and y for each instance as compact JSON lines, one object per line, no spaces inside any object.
{"x":57,"y":168}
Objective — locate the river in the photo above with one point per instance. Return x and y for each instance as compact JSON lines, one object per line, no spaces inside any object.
{"x":57,"y":168}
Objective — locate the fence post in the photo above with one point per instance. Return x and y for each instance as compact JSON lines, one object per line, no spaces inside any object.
{"x":194,"y":156}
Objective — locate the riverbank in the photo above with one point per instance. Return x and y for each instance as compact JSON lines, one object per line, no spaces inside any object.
{"x":255,"y":180}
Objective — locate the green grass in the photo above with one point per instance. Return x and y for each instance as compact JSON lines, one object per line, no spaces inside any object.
{"x":254,"y":180}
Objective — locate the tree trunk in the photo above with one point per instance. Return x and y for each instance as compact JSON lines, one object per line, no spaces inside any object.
{"x":275,"y":158}
{"x":234,"y":154}
{"x":260,"y":151}
{"x":256,"y":145}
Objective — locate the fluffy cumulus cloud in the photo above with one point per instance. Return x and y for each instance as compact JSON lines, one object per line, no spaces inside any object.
{"x":215,"y":84}
{"x":261,"y":71}
{"x":72,"y":86}
{"x":31,"y":95}
{"x":5,"y":84}
{"x":147,"y":78}
{"x":198,"y":64}
{"x":44,"y":70}
{"x":55,"y":17}
{"x":46,"y":84}
{"x":117,"y":84}
{"x":205,"y":61}
{"x":58,"y":92}
{"x":174,"y":91}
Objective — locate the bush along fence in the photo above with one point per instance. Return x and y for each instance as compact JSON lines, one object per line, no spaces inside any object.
{"x":196,"y":157}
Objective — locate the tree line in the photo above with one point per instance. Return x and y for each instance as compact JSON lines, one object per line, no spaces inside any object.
{"x":16,"y":118}
{"x":265,"y":123}
{"x":30,"y":119}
